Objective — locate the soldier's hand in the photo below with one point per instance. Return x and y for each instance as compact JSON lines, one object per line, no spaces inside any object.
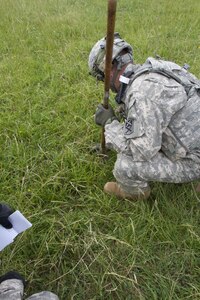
{"x":102,"y":115}
{"x":5,"y":212}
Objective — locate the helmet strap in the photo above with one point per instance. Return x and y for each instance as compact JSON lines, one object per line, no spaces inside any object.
{"x":121,"y":60}
{"x":124,"y":79}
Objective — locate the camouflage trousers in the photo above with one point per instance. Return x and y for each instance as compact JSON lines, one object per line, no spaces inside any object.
{"x":13,"y":289}
{"x":134,"y":176}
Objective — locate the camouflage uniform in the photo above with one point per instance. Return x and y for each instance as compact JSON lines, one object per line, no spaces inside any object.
{"x":13,"y":289}
{"x":160,"y":138}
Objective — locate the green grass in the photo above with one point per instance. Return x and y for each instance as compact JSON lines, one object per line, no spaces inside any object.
{"x":84,"y":244}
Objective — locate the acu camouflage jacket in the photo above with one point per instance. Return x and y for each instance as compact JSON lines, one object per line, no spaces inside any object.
{"x":162,"y":114}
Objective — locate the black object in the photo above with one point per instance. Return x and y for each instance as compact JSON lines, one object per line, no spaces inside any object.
{"x":12,"y":275}
{"x":5,"y":212}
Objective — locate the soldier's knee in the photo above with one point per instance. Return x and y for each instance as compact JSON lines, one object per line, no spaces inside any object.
{"x":45,"y":295}
{"x":123,"y":168}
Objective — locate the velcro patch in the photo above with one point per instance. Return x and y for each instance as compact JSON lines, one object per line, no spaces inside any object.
{"x":128,"y":127}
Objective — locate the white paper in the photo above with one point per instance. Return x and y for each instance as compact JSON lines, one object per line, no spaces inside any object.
{"x":19,"y":223}
{"x":5,"y":238}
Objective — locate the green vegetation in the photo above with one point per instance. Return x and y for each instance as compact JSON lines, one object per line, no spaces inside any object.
{"x":84,"y":244}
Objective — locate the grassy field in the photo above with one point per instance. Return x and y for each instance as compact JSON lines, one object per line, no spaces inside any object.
{"x":84,"y":244}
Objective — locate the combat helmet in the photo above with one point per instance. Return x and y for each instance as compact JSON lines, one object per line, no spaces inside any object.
{"x":96,"y":61}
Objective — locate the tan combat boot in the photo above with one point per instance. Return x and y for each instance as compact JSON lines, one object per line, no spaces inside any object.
{"x":113,"y":188}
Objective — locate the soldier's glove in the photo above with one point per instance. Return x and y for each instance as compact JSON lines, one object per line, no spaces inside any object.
{"x":12,"y":275}
{"x":104,"y":115}
{"x":5,"y":212}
